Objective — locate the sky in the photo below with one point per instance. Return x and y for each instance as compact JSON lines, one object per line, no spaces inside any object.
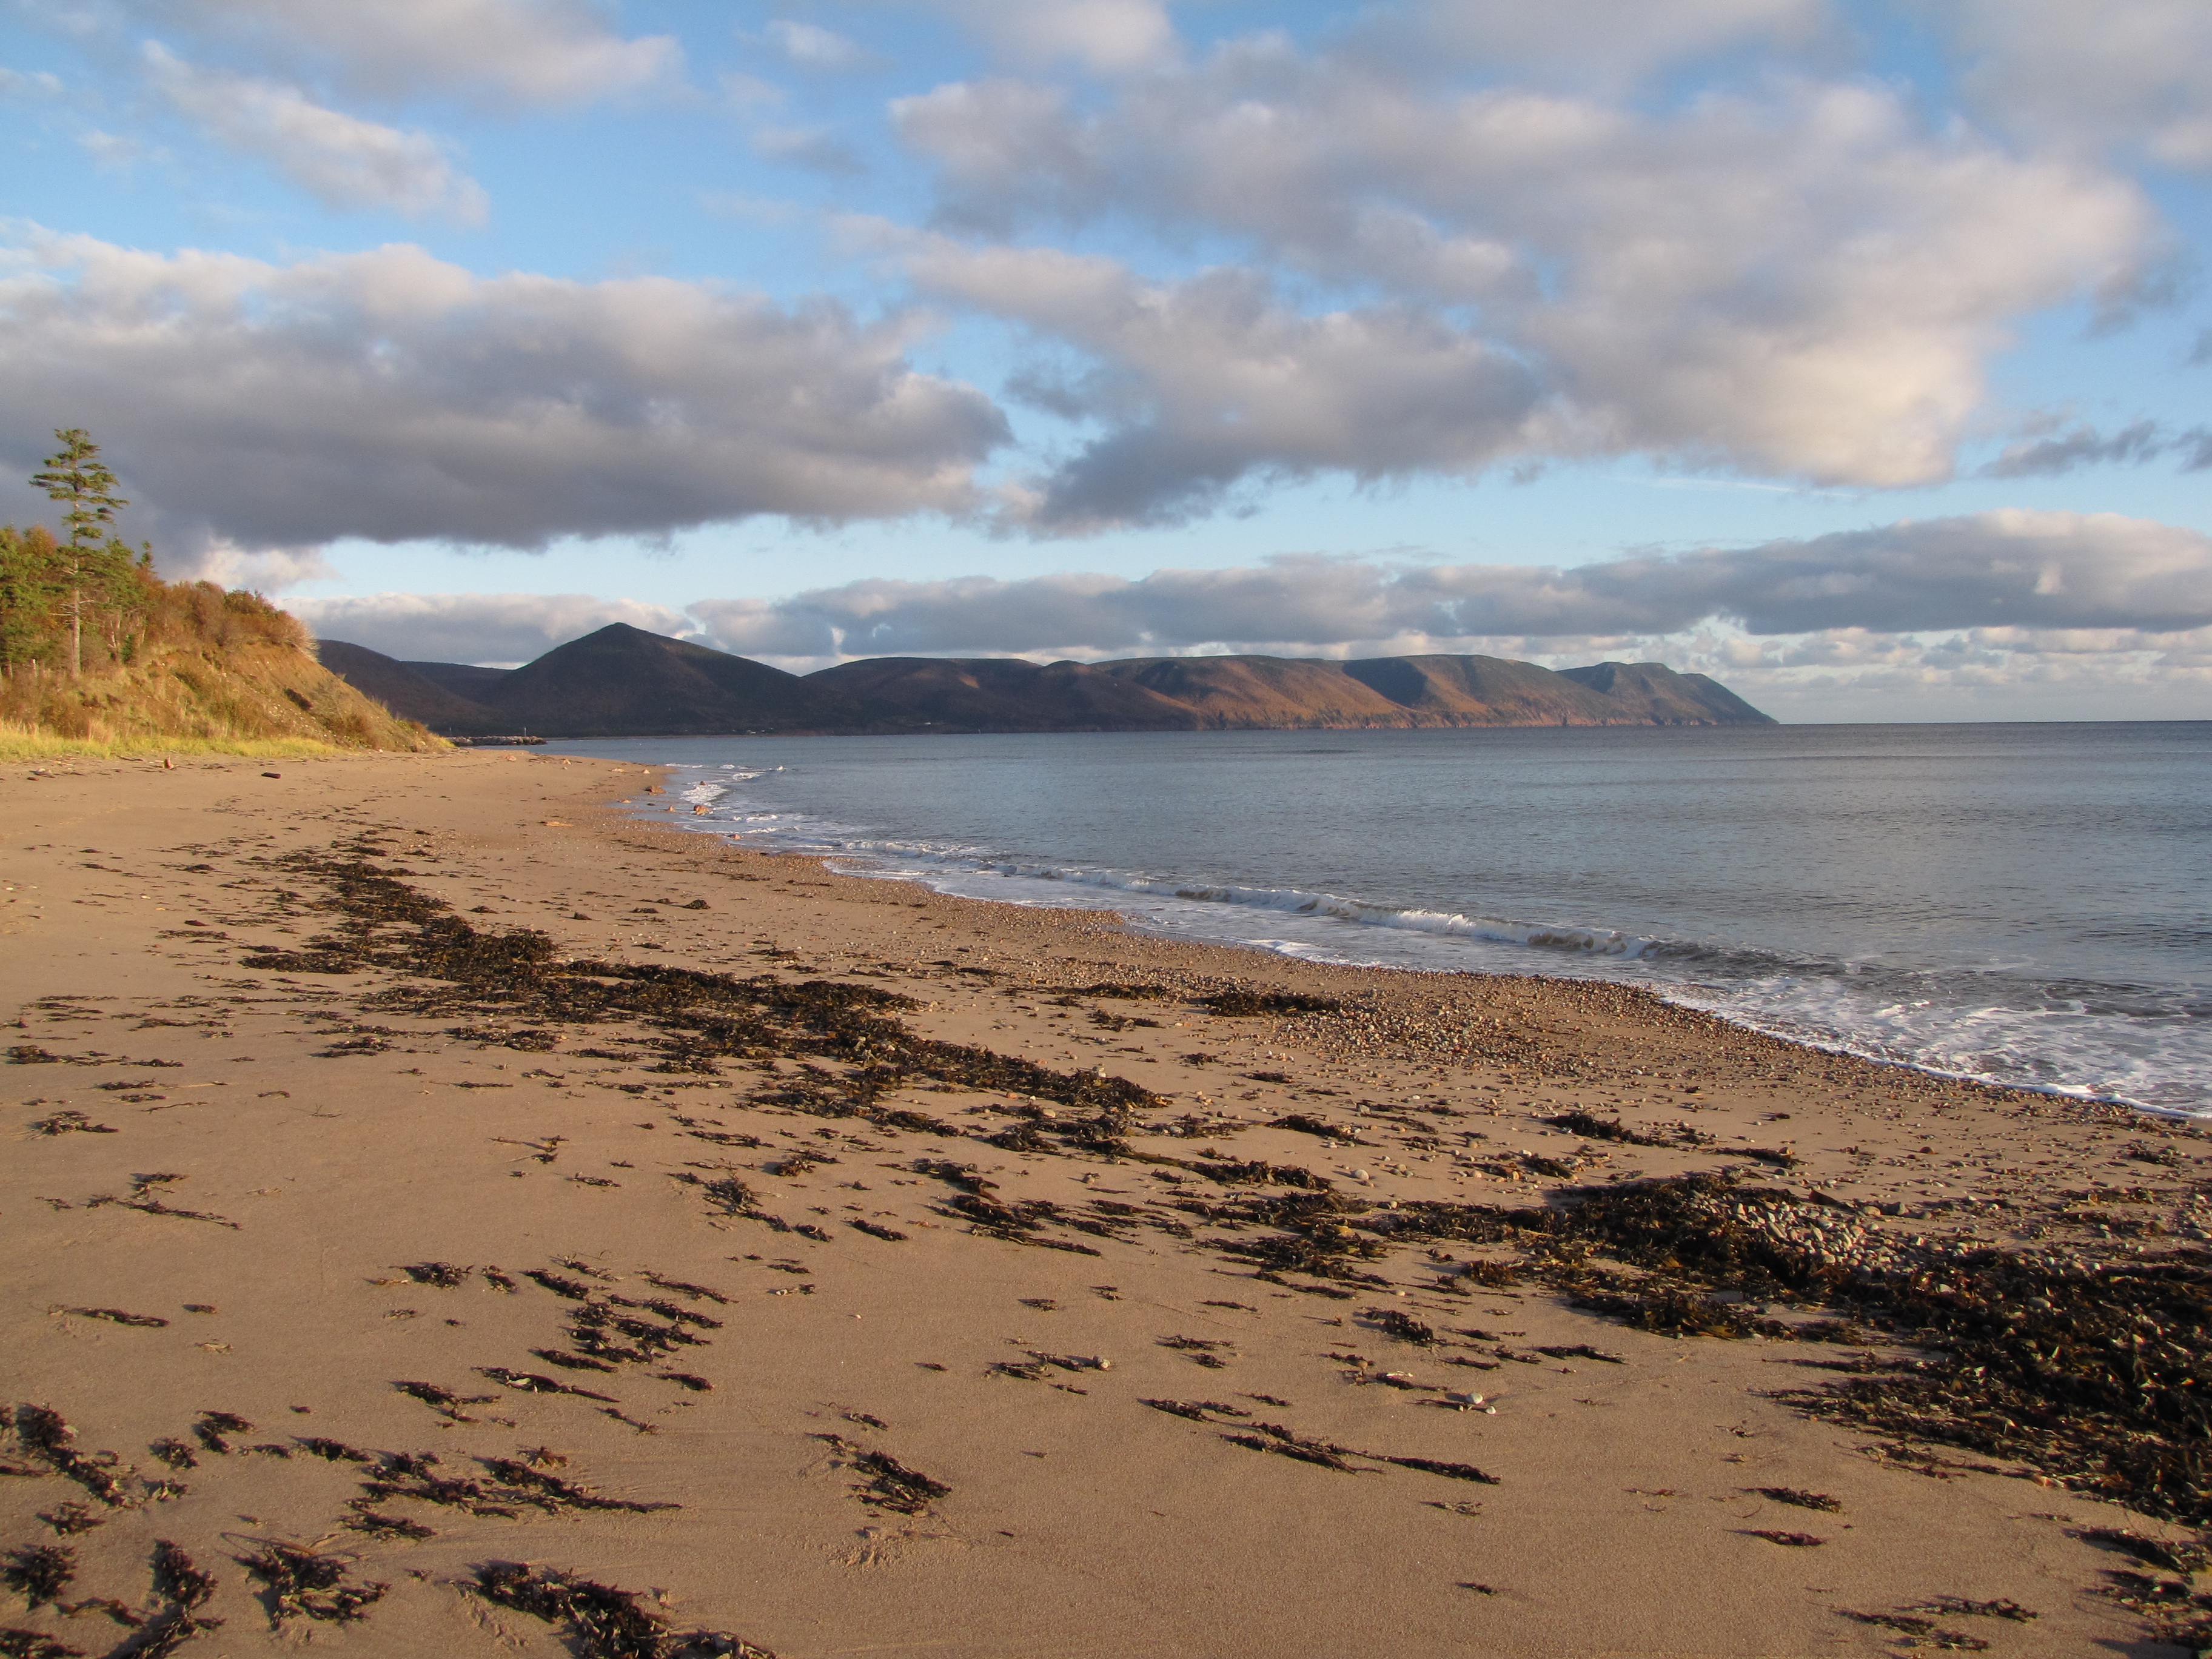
{"x":1855,"y":352}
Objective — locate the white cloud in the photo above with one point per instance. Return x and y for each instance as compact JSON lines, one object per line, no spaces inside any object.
{"x":1606,"y":43}
{"x":821,"y":149}
{"x":525,"y":52}
{"x":1110,"y":36}
{"x":2043,"y":573}
{"x":37,"y":83}
{"x":343,"y":161}
{"x":476,"y":628}
{"x":1806,"y":284}
{"x":111,"y":150}
{"x":390,"y":395}
{"x":2133,"y":73}
{"x":809,"y":45}
{"x":1203,"y":382}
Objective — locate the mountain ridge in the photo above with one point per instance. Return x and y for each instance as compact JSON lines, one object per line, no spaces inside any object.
{"x":622,"y":681}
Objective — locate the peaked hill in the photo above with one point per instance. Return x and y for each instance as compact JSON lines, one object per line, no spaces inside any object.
{"x":624,"y":682}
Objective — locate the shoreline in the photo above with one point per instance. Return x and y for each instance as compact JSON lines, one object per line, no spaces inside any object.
{"x":1675,"y":994}
{"x":782,"y":1195}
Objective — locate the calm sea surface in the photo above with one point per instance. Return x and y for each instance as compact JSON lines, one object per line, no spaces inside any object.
{"x":2026,"y":903}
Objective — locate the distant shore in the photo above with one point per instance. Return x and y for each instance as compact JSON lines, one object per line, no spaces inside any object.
{"x":423,"y":1165}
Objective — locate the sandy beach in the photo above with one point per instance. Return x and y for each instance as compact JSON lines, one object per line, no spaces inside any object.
{"x":447,"y":1213}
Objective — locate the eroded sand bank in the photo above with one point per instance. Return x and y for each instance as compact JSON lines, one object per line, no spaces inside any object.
{"x":917,"y":1275}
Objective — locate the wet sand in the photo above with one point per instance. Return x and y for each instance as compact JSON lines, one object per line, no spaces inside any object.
{"x":420,"y":1165}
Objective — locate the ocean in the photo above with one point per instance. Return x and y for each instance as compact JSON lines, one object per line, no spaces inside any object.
{"x":2030,"y":904}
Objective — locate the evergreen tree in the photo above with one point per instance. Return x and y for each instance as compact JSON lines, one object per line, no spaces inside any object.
{"x":27,"y":593}
{"x":85,"y":569}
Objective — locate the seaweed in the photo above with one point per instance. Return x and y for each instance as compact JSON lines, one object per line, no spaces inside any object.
{"x":2175,"y":1555}
{"x":1918,"y":1632}
{"x":1403,"y":1326}
{"x":1803,"y":1500}
{"x":1257,"y":1173}
{"x":387,"y":1526}
{"x":875,"y":1231}
{"x":46,"y":1435}
{"x":16,"y":1642}
{"x":1602,"y":1129}
{"x":298,"y":1583}
{"x":118,"y":1316}
{"x":330,"y":1451}
{"x":532,"y":1382}
{"x":382,"y":922}
{"x":1271,"y":1438}
{"x":70,"y":1519}
{"x":607,"y":1623}
{"x":1795,"y":1540}
{"x":40,"y":1572}
{"x":1450,"y":1471}
{"x":1243,"y":1003}
{"x":70,"y":1122}
{"x":443,"y":1274}
{"x":212,"y":1426}
{"x":550,"y":1492}
{"x":1959,"y":1606}
{"x":1195,"y":1410}
{"x":890,"y":1484}
{"x":570,"y":1362}
{"x":176,"y":1579}
{"x":443,"y":1402}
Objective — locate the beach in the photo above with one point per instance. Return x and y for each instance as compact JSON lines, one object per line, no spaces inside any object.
{"x":461,"y":1216}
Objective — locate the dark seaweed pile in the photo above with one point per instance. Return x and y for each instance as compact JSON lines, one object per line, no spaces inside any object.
{"x":298,"y":1583}
{"x":604,"y":1623}
{"x":701,"y":1018}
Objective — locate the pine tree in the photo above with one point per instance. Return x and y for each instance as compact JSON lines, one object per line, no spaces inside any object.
{"x":28,"y":592}
{"x":85,"y":569}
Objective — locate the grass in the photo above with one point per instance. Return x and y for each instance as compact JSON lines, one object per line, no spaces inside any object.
{"x":21,"y":742}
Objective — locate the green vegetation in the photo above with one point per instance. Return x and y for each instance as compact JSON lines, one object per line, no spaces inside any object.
{"x":99,"y":655}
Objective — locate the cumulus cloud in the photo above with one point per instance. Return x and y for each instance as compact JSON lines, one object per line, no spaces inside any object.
{"x":390,"y":395}
{"x":2131,"y":73}
{"x":522,"y":51}
{"x":1805,"y":283}
{"x":478,"y":627}
{"x":1201,"y":383}
{"x":343,"y":161}
{"x":2011,"y":569}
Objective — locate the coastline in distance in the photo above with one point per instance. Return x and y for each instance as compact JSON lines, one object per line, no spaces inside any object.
{"x":625,"y":682}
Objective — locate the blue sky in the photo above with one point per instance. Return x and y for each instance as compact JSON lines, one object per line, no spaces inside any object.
{"x":1853,"y":353}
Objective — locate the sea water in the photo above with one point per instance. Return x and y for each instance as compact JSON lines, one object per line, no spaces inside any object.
{"x":2030,"y":904}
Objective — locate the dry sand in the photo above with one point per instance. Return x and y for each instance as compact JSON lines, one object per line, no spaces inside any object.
{"x":844,"y":1377}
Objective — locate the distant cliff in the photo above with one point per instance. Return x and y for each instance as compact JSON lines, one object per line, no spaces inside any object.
{"x":624,"y":682}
